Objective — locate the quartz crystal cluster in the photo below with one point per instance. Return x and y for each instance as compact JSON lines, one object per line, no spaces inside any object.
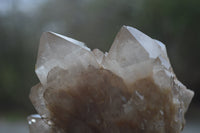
{"x":130,"y":89}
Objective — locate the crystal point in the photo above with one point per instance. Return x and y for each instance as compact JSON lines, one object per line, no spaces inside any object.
{"x":132,"y":88}
{"x":58,"y":50}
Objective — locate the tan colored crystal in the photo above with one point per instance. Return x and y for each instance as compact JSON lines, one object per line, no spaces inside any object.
{"x":130,"y":89}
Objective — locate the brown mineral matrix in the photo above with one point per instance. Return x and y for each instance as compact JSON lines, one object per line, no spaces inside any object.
{"x":130,"y":89}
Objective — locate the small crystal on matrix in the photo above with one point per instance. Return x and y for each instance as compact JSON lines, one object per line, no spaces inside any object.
{"x":130,"y":89}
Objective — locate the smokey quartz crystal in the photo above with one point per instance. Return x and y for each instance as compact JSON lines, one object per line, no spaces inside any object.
{"x":130,"y":89}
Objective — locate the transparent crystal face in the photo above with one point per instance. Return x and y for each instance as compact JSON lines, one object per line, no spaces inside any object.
{"x":132,"y":88}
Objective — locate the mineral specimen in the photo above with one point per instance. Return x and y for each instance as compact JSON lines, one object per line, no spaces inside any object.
{"x":130,"y":89}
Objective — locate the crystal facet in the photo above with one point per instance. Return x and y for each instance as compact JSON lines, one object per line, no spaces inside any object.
{"x":38,"y":125}
{"x":132,"y":88}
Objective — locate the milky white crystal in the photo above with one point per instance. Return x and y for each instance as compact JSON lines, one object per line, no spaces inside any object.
{"x":130,"y":89}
